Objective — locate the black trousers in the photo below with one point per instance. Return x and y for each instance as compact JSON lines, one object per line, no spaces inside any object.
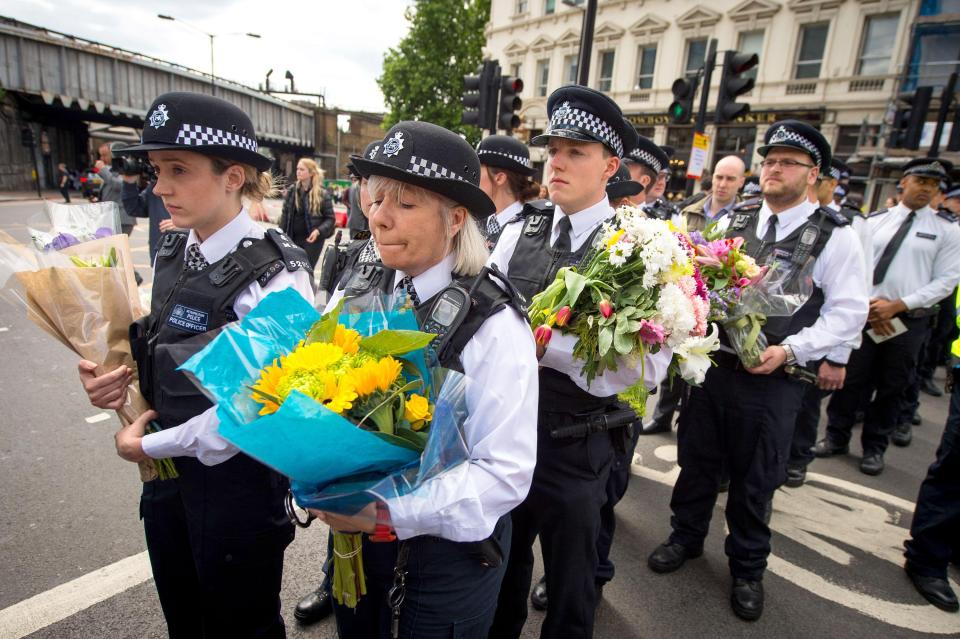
{"x":935,"y":531}
{"x":885,"y":369}
{"x":745,"y":423}
{"x":65,"y":192}
{"x":805,"y":429}
{"x":671,"y":393}
{"x":563,"y":508}
{"x":616,"y":488}
{"x":218,"y":586}
{"x":942,"y":334}
{"x":371,"y":618}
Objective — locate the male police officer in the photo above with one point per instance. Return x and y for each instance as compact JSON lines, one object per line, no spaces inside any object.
{"x":586,"y":138}
{"x":916,"y":264}
{"x":741,"y":419}
{"x":649,"y":165}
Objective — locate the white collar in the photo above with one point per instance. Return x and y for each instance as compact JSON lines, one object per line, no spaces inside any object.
{"x":786,"y":220}
{"x":904,"y":210}
{"x":507,"y":214}
{"x":586,"y":220}
{"x":218,"y":245}
{"x":433,"y":280}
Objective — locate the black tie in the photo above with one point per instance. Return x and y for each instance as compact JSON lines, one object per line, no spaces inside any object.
{"x":563,"y":235}
{"x":195,"y":259}
{"x":493,"y":226}
{"x":407,"y":284}
{"x":891,"y":249}
{"x":770,"y":236}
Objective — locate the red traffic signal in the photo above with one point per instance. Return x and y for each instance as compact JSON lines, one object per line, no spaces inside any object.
{"x":510,"y":103}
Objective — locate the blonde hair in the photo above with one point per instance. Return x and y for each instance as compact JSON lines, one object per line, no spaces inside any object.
{"x":316,"y":185}
{"x":467,"y":245}
{"x":257,"y":185}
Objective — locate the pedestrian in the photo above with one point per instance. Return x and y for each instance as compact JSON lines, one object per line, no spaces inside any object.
{"x":506,"y":179}
{"x":307,"y":216}
{"x":741,"y":419}
{"x":586,"y":138}
{"x":934,"y":542}
{"x":916,"y":264}
{"x":453,"y":532}
{"x":144,"y":202}
{"x":111,"y":190}
{"x":357,"y":223}
{"x":63,"y":182}
{"x":216,"y":534}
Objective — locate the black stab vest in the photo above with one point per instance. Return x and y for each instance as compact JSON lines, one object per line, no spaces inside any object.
{"x":793,"y":252}
{"x":533,"y":266}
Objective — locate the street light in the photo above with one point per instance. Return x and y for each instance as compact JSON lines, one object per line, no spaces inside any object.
{"x":586,"y":37}
{"x":213,"y":83}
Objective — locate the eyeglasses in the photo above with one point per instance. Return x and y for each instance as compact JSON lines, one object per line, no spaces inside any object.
{"x":785,"y":164}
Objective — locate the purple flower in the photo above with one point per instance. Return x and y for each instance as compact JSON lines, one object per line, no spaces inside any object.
{"x":697,"y":238}
{"x":103,"y":231}
{"x":62,"y":241}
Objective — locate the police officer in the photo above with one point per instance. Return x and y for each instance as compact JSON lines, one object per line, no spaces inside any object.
{"x":916,"y":256}
{"x":751,"y":187}
{"x":831,"y":370}
{"x":622,"y":187}
{"x":933,"y":539}
{"x":742,"y":419}
{"x":649,"y":165}
{"x":454,"y":531}
{"x":216,"y":535}
{"x":506,"y":179}
{"x":586,"y":138}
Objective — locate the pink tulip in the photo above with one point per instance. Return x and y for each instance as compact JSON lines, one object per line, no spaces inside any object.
{"x":563,"y":316}
{"x":606,"y":308}
{"x":542,"y":334}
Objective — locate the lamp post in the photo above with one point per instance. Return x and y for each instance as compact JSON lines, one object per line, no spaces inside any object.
{"x":586,"y":38}
{"x":213,"y":82}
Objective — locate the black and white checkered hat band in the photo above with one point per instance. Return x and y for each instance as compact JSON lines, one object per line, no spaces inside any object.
{"x":647,"y":158}
{"x":782,"y":135}
{"x":199,"y":135}
{"x":835,"y":173}
{"x":570,"y":118}
{"x":934,"y":168}
{"x":426,"y":168}
{"x":519,"y":159}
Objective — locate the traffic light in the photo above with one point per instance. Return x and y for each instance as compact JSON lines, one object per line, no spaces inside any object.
{"x":510,"y":103}
{"x":684,"y":90}
{"x":909,"y":119}
{"x":480,"y":97}
{"x":733,"y":86}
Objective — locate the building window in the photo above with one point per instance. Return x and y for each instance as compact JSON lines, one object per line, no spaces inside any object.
{"x":879,"y":34}
{"x":751,"y":42}
{"x":646,"y":61}
{"x":516,"y":70}
{"x":605,"y":79}
{"x":813,"y":40}
{"x":521,"y":6}
{"x":735,"y":140}
{"x":549,"y":6}
{"x":851,"y":138}
{"x":935,"y":55}
{"x":696,"y":50}
{"x":570,"y":69}
{"x":543,"y":77}
{"x":937,"y":7}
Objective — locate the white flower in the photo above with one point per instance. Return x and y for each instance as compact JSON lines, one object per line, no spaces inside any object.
{"x":693,"y":355}
{"x":675,"y":313}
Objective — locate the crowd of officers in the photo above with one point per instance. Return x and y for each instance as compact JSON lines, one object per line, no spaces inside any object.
{"x":466,"y":237}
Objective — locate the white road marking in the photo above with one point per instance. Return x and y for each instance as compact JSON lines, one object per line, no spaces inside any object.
{"x":56,"y":604}
{"x":99,"y":417}
{"x":4,"y":329}
{"x":815,"y":516}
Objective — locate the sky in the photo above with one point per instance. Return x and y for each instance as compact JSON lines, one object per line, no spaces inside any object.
{"x":334,"y":47}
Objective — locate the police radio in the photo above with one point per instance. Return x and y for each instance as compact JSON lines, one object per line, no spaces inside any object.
{"x":446,"y":315}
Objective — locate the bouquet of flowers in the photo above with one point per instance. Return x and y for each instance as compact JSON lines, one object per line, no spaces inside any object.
{"x":84,"y":296}
{"x":343,"y":404}
{"x":637,"y":290}
{"x":64,"y":225}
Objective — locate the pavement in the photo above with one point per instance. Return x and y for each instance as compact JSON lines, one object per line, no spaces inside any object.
{"x":72,"y":555}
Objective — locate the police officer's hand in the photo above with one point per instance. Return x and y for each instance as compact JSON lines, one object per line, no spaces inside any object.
{"x":772,"y":358}
{"x":129,"y":439}
{"x":884,"y":309}
{"x":314,"y":235}
{"x":108,"y":390}
{"x":882,"y":327}
{"x":363,"y":521}
{"x":830,"y":377}
{"x":167,"y":225}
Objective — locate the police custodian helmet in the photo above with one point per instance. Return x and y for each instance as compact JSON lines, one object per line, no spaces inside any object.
{"x":431,"y":157}
{"x":201,"y":123}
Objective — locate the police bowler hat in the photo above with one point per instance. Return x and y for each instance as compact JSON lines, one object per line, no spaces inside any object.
{"x":201,"y":123}
{"x":505,"y":152}
{"x":621,"y":185}
{"x":431,"y":157}
{"x":367,"y":152}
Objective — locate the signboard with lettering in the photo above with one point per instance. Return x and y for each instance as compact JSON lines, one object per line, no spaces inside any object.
{"x":698,"y":155}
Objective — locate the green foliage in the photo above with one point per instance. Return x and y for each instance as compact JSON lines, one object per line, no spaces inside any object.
{"x":423,"y":76}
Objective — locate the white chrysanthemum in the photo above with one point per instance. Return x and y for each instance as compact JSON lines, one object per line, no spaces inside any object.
{"x":675,"y":313}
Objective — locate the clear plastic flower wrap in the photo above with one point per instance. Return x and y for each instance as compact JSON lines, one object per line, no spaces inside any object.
{"x":784,"y":288}
{"x":60,"y":226}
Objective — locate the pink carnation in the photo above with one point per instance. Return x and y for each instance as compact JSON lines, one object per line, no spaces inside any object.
{"x":651,"y":333}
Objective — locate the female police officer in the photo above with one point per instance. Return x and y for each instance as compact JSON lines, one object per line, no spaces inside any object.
{"x":505,"y":178}
{"x":216,"y":535}
{"x":424,"y":183}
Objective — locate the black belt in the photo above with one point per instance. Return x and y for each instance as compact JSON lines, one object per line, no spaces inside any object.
{"x":920,"y":313}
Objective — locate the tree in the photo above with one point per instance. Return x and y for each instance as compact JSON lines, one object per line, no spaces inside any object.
{"x":423,"y":76}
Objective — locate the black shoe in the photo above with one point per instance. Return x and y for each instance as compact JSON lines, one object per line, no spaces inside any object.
{"x":538,"y":597}
{"x":827,"y":448}
{"x":872,"y":464}
{"x":655,"y":426}
{"x":669,"y":556}
{"x":796,"y":475}
{"x":936,"y":591}
{"x":902,"y":435}
{"x":314,"y":607}
{"x":915,"y":419}
{"x":928,"y":387}
{"x":746,"y":598}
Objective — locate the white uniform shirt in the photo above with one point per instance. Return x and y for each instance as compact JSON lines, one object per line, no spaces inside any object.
{"x":559,"y":353}
{"x":839,"y":271}
{"x":926,"y":267}
{"x":506,"y":215}
{"x":500,"y":361}
{"x":198,"y":437}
